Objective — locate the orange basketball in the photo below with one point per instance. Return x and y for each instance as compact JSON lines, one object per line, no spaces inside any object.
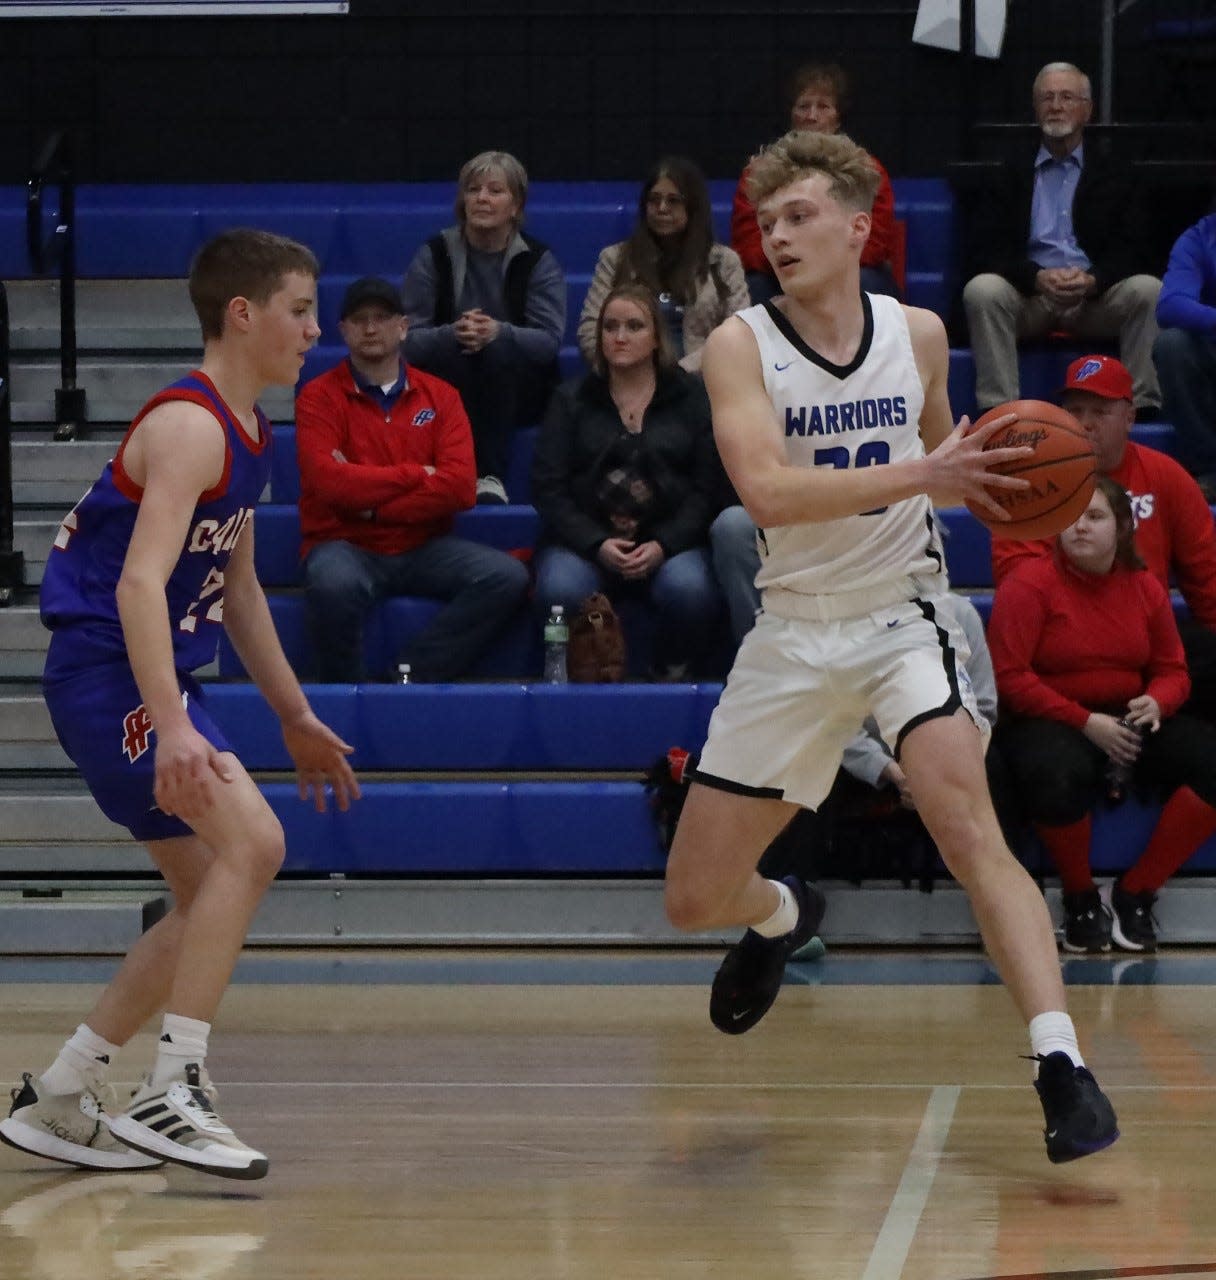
{"x":1062,"y":470}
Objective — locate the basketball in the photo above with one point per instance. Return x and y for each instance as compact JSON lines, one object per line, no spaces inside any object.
{"x":1062,"y":471}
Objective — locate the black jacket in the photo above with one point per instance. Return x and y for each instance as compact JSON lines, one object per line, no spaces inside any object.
{"x":1108,"y":215}
{"x":579,"y":438}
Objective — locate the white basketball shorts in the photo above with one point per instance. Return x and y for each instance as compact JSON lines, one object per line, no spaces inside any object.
{"x":800,"y":690}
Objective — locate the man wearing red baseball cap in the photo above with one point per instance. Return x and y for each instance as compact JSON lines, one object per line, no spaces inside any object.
{"x":1174,"y":531}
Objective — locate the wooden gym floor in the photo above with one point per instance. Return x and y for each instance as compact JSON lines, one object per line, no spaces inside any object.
{"x":573,"y":1116}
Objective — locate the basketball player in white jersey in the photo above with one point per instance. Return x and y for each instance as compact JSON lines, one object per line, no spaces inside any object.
{"x":831,"y":415}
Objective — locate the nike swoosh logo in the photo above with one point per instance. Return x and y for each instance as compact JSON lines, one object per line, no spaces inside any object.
{"x":893,"y":624}
{"x":734,"y":1017}
{"x":1053,"y":1133}
{"x":781,"y":368}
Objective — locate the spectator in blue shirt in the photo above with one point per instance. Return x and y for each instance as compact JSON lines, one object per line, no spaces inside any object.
{"x":486,"y":305}
{"x":1185,"y":350}
{"x":1060,"y":245}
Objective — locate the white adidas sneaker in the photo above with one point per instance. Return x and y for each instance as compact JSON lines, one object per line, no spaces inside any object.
{"x":178,"y":1123}
{"x":70,"y":1128}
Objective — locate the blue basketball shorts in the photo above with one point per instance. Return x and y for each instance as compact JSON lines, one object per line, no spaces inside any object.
{"x":99,"y":716}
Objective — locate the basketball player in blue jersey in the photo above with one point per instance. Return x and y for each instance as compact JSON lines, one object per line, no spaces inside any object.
{"x":831,"y":415}
{"x":153,"y":560}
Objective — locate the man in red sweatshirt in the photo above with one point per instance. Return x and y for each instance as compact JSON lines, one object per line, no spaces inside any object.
{"x":386,"y":461}
{"x":1174,"y":531}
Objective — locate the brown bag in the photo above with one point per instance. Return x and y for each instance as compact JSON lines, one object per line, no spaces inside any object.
{"x":596,"y":650}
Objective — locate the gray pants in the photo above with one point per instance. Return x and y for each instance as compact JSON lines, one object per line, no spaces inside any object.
{"x":998,"y":315}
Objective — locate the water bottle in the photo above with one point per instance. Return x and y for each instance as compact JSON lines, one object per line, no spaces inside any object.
{"x":1119,"y":775}
{"x":557,"y":635}
{"x":403,"y":673}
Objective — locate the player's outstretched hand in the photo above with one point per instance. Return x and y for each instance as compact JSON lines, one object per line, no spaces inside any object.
{"x":961,"y":466}
{"x":320,"y":757}
{"x":188,"y":771}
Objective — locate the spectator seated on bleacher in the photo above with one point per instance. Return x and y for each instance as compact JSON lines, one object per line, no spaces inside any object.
{"x":672,"y":252}
{"x":487,"y":309}
{"x":819,"y":100}
{"x":1058,"y":242}
{"x":1185,"y":350}
{"x":624,"y":479}
{"x":1174,"y":531}
{"x":386,"y":461}
{"x":1091,"y":674}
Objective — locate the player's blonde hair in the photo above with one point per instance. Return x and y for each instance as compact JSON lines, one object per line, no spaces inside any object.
{"x":851,"y":174}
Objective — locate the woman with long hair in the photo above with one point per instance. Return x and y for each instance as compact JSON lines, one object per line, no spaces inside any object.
{"x":673,"y":253}
{"x":624,"y":479}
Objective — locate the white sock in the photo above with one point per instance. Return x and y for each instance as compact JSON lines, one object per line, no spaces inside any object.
{"x":182,"y":1041}
{"x":82,"y":1060}
{"x":784,"y":918}
{"x":1054,"y":1033}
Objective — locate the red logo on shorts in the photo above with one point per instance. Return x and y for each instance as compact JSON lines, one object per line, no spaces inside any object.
{"x":136,"y":730}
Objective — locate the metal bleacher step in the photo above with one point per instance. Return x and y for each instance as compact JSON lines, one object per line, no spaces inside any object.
{"x":23,"y":642}
{"x":54,"y":475}
{"x":116,"y":386}
{"x":33,"y":537}
{"x":27,"y":739}
{"x":110,"y":315}
{"x":82,"y":921}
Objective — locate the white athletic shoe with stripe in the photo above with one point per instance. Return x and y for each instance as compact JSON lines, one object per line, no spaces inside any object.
{"x":179,"y":1123}
{"x":69,"y":1128}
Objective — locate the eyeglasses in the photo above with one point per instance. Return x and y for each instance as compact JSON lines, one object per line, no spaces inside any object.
{"x":1065,"y":98}
{"x":656,"y":201}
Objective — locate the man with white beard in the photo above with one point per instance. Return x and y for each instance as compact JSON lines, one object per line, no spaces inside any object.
{"x":1060,"y":246}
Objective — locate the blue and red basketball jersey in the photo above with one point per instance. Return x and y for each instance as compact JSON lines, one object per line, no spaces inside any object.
{"x":78,"y":600}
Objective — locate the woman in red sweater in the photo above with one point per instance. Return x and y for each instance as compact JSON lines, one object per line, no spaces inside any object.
{"x":1091,"y":673}
{"x":818,"y":98}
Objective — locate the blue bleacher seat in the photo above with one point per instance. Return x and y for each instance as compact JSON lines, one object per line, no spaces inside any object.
{"x":968,"y":546}
{"x":474,"y":828}
{"x":515,"y":654}
{"x":479,"y":726}
{"x":422,"y":828}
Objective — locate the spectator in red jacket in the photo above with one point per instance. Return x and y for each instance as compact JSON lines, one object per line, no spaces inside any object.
{"x":1091,"y":675}
{"x":819,"y":100}
{"x":386,"y":461}
{"x":1174,"y":531}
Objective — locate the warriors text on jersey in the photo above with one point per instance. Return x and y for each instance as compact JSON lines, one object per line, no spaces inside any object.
{"x":78,"y":599}
{"x":863,"y":414}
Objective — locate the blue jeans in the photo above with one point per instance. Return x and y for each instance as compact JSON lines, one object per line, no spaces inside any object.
{"x":732,"y":539}
{"x":482,"y":586}
{"x":682,"y":593}
{"x":1186,"y":368}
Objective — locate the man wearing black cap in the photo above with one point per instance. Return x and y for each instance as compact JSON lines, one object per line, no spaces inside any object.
{"x":386,"y":461}
{"x":1174,"y":531}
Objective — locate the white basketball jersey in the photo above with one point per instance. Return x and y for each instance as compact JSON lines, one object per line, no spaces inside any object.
{"x":863,"y":414}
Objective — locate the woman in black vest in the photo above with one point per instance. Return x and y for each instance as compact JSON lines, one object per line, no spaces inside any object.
{"x":487,"y":308}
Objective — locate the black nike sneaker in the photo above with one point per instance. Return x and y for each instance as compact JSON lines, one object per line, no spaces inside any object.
{"x":1079,"y":1117}
{"x":749,"y":978}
